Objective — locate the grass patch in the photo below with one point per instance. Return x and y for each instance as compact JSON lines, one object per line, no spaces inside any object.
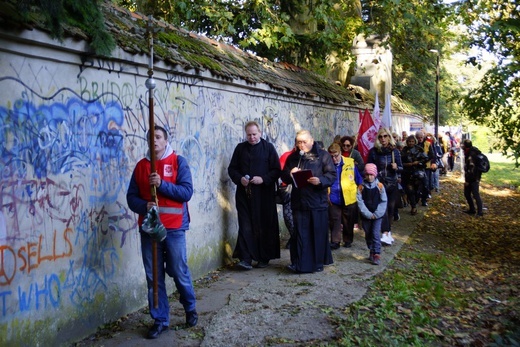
{"x":502,"y":173}
{"x":455,"y":282}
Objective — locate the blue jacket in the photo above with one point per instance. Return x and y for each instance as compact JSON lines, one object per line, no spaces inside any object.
{"x":181,"y":191}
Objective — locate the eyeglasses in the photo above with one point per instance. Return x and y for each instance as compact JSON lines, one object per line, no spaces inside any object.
{"x":382,"y":136}
{"x":347,"y":145}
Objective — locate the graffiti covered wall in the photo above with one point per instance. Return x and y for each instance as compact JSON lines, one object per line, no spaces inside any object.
{"x":71,"y":131}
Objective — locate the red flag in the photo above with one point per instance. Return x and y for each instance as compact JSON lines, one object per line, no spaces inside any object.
{"x":367,"y":134}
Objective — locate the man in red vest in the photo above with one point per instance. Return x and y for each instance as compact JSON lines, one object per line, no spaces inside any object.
{"x":173,"y":184}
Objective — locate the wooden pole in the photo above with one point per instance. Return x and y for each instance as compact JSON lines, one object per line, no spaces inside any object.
{"x":150,"y":84}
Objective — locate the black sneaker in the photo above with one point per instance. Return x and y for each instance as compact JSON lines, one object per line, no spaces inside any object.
{"x":334,"y":245}
{"x":262,"y":264}
{"x":192,"y":318}
{"x":292,"y":268}
{"x":245,"y":265}
{"x":470,"y":212}
{"x":397,"y":217}
{"x":156,"y":330}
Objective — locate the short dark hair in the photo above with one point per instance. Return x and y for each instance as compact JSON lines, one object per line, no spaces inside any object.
{"x":349,"y":138}
{"x":467,"y":143}
{"x":158,"y":127}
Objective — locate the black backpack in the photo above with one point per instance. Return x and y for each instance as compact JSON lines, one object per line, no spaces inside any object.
{"x":482,"y":164}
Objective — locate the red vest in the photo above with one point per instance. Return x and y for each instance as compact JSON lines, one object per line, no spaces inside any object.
{"x":170,"y":211}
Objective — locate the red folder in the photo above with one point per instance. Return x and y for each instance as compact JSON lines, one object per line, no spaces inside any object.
{"x":300,"y":178}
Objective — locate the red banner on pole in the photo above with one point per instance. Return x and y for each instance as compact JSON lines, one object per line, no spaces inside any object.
{"x":366,"y":135}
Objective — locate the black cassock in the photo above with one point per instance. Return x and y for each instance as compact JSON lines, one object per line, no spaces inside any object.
{"x":258,"y":230}
{"x":310,"y":247}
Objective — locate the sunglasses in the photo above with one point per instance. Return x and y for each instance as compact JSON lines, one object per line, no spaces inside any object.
{"x":346,"y":145}
{"x":382,"y":136}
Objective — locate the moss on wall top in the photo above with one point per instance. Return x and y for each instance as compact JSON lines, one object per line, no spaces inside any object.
{"x":179,"y":48}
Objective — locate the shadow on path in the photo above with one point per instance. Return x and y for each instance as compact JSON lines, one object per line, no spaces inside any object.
{"x":269,"y":306}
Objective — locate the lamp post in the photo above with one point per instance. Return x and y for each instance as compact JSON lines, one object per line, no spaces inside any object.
{"x":437,"y":76}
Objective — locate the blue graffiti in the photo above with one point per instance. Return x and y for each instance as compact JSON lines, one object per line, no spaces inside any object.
{"x":49,"y":292}
{"x":58,"y":138}
{"x":61,"y":138}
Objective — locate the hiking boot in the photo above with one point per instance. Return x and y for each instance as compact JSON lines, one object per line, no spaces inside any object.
{"x":376,"y":259}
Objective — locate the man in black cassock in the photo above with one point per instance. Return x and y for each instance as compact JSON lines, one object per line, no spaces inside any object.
{"x":255,"y":169}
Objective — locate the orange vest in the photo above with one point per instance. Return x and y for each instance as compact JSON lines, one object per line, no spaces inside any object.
{"x":170,"y":211}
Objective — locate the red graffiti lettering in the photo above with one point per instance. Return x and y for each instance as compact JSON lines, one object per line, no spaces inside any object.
{"x":53,"y":256}
{"x":7,"y":272}
{"x":31,"y":255}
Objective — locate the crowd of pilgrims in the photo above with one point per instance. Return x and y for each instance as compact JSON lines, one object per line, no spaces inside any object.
{"x":344,"y":191}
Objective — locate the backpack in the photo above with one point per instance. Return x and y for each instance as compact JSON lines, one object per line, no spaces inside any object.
{"x":482,"y":164}
{"x":437,"y":150}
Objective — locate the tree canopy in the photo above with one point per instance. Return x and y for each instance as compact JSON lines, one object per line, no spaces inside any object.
{"x":308,"y":33}
{"x":494,"y":26}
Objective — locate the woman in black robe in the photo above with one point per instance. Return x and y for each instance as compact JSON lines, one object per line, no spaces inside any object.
{"x":255,"y":169}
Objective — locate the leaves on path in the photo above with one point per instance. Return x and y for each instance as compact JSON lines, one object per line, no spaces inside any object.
{"x":455,"y":282}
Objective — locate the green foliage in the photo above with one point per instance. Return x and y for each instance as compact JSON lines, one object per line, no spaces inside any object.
{"x":411,"y":29}
{"x":85,"y":15}
{"x":495,"y":27}
{"x":307,"y":33}
{"x":289,"y":31}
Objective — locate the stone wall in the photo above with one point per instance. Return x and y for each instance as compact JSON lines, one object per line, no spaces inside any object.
{"x":71,"y":131}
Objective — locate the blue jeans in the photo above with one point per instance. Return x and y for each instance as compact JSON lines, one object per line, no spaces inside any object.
{"x":171,"y":260}
{"x":435,"y":179}
{"x":372,"y":229}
